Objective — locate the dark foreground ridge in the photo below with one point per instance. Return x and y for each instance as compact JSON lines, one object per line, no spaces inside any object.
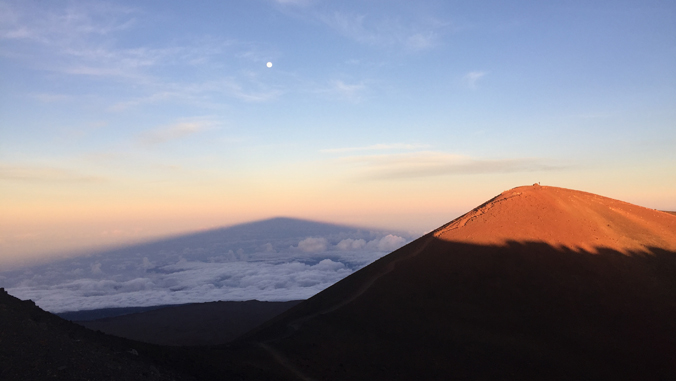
{"x":37,"y":345}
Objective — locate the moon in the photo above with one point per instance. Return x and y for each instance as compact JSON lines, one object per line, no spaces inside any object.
{"x":269,"y":64}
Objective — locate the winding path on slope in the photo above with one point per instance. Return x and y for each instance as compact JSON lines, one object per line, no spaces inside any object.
{"x":296,"y":324}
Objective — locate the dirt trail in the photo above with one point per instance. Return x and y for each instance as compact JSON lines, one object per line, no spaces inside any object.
{"x":296,"y":324}
{"x":283,"y":361}
{"x":390,"y":266}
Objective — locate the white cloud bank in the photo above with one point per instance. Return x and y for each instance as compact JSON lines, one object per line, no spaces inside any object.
{"x":271,"y":263}
{"x":313,"y":245}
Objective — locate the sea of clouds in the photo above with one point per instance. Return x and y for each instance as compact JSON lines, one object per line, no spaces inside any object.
{"x":273,"y":260}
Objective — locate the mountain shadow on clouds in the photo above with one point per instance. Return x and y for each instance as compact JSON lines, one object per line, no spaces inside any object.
{"x":275,"y":260}
{"x":242,"y":240}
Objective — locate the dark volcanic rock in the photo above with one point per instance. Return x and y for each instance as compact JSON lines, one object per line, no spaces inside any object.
{"x":192,"y":324}
{"x":36,"y":345}
{"x":103,"y":313}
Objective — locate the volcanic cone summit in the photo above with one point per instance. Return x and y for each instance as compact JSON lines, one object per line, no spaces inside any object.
{"x":563,"y":217}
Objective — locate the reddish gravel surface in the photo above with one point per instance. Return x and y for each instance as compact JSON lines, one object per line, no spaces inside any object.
{"x":563,"y":217}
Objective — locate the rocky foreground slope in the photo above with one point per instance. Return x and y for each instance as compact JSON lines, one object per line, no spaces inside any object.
{"x":37,"y":345}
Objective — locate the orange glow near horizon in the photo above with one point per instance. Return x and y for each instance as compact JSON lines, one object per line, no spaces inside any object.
{"x":40,"y":220}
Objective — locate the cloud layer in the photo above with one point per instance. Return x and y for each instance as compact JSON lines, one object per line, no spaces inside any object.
{"x":270,"y":260}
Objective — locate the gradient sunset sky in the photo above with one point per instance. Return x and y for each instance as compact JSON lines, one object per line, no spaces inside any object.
{"x":126,"y":120}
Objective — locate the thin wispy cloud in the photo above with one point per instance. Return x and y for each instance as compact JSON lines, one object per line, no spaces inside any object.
{"x":470,"y":79}
{"x":250,"y":93}
{"x":137,"y":64}
{"x":51,"y":98}
{"x":202,"y":94}
{"x":80,"y":37}
{"x":152,"y":98}
{"x":421,"y":40}
{"x":377,"y":29}
{"x":294,"y":2}
{"x":83,"y":40}
{"x":430,"y":163}
{"x":59,"y":26}
{"x":174,"y":132}
{"x":592,"y":116}
{"x":375,"y":147}
{"x":382,"y":31}
{"x":96,"y":71}
{"x":44,"y":174}
{"x":338,"y":89}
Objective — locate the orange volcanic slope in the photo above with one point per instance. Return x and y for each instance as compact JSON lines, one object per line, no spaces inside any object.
{"x":537,"y":283}
{"x":563,"y":217}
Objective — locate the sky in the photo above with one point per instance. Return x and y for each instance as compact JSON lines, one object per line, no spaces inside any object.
{"x":123,"y":121}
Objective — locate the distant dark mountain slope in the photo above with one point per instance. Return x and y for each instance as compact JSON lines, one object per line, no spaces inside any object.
{"x":103,"y":313}
{"x":36,"y":345}
{"x":537,"y":283}
{"x":191,"y":324}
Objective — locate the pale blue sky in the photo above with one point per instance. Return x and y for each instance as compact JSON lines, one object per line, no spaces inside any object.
{"x":385,"y":113}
